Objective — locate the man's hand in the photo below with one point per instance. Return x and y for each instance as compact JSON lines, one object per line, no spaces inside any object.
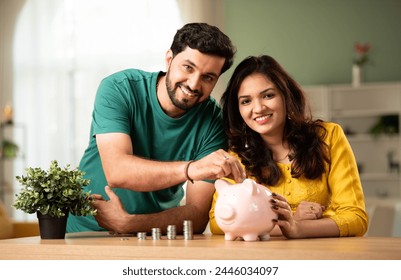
{"x":111,"y":214}
{"x":215,"y":166}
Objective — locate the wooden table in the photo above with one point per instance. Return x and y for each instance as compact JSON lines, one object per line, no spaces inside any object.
{"x":103,"y":246}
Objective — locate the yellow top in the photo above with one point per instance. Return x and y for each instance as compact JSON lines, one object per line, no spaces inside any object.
{"x":339,"y":188}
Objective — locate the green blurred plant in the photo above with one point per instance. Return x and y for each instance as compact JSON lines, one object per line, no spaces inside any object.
{"x":54,"y":192}
{"x":9,"y":149}
{"x":388,"y":124}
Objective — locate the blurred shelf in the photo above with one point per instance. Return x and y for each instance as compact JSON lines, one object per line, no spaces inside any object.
{"x":358,"y":110}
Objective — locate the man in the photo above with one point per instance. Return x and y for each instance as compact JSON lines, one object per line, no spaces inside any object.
{"x":152,"y":132}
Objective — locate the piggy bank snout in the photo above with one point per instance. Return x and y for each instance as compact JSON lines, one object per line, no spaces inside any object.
{"x":225,"y":212}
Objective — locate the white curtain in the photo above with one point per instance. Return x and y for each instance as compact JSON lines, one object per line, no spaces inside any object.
{"x":62,"y":49}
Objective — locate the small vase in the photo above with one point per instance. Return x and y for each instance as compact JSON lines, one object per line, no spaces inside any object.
{"x":356,"y":75}
{"x":52,"y":227}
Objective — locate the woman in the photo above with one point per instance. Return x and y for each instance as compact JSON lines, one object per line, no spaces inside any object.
{"x":308,"y":164}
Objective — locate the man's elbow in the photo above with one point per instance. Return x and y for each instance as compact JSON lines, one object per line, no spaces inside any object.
{"x":115,"y":180}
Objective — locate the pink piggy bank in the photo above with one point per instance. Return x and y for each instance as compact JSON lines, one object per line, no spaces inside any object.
{"x":244,"y":210}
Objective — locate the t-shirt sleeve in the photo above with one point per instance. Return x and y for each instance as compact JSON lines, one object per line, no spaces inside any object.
{"x":111,"y":112}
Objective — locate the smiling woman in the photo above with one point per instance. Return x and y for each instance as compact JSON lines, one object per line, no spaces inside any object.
{"x":62,"y":49}
{"x":307,"y":164}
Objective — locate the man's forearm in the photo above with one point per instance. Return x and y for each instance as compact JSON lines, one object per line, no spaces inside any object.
{"x":174,"y":216}
{"x":139,"y":174}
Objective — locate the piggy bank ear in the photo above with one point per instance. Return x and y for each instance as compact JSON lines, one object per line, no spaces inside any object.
{"x":251,"y":186}
{"x":268,"y":192}
{"x":220,"y":185}
{"x":262,"y":188}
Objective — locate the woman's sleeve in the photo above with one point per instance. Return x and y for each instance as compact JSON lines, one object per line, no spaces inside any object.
{"x":214,"y":228}
{"x":347,"y":207}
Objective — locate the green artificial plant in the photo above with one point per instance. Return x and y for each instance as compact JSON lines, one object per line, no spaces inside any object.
{"x":54,"y":192}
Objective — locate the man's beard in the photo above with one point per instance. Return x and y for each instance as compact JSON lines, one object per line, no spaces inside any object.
{"x":183,"y":103}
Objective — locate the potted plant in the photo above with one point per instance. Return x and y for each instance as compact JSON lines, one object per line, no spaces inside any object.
{"x":53,"y":194}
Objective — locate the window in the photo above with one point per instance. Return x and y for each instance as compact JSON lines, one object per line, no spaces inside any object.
{"x":62,"y":50}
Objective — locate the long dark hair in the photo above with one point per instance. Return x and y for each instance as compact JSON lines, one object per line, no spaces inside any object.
{"x":207,"y":39}
{"x":303,"y":134}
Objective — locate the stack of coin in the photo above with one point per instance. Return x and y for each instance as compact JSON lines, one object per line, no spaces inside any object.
{"x":141,"y":235}
{"x":188,"y":231}
{"x":171,"y":232}
{"x":156,"y":233}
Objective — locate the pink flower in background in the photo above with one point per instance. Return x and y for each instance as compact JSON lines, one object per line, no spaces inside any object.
{"x":361,"y":51}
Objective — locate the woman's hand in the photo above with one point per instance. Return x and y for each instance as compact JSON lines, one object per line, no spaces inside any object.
{"x":289,"y":223}
{"x":286,"y":221}
{"x":309,"y":211}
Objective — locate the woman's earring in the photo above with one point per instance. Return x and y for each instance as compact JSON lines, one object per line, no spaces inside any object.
{"x":246,"y":137}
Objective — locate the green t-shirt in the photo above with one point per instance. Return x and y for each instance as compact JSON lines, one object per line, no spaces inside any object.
{"x":126,"y":102}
